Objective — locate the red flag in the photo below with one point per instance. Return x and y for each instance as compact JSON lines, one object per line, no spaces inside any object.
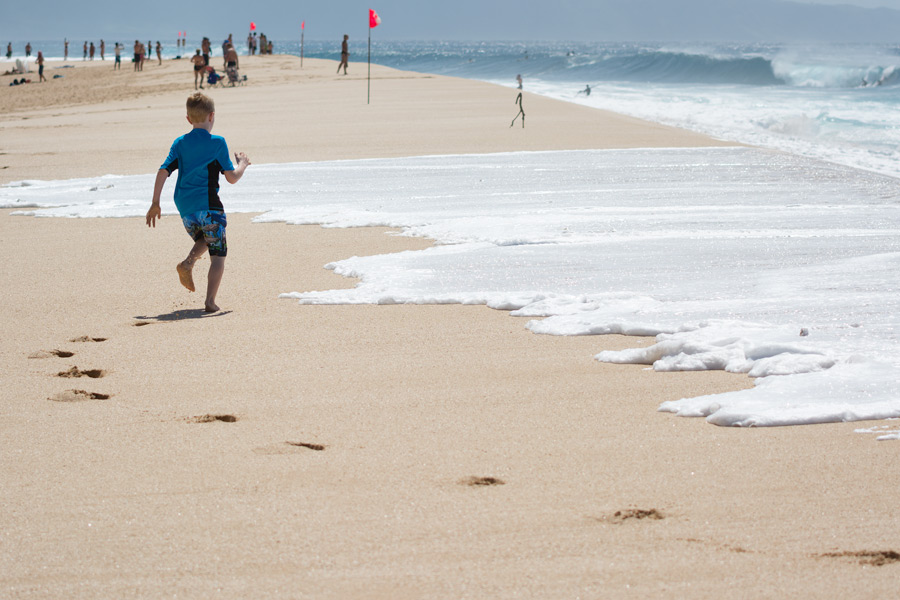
{"x":303,"y":25}
{"x":252,"y":26}
{"x":374,"y":19}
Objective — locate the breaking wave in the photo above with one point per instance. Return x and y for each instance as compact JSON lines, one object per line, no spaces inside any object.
{"x":838,"y":66}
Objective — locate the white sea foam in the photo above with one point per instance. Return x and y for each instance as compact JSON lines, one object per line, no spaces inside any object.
{"x":741,"y":259}
{"x":854,"y":127}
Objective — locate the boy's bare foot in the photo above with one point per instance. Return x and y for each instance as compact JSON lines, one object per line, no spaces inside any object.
{"x":211,"y":308}
{"x":184,"y":274}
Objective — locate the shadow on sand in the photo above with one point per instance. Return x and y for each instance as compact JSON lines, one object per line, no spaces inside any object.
{"x":183,"y":315}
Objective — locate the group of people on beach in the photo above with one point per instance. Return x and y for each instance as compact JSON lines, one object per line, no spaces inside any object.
{"x":21,"y":68}
{"x":204,"y":71}
{"x":88,"y":50}
{"x":9,"y":50}
{"x":261,"y":43}
{"x":141,"y":53}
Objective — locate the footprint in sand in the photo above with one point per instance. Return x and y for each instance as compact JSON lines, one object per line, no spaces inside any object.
{"x":875,"y":558}
{"x":288,"y":448}
{"x":78,"y":396}
{"x":635,"y":514}
{"x":44,"y":354}
{"x":76,"y":372}
{"x":213,"y":419}
{"x":65,"y":353}
{"x":715,"y":545}
{"x":481,"y":481}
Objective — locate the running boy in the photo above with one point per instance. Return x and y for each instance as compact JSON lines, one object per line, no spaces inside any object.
{"x":199,"y":157}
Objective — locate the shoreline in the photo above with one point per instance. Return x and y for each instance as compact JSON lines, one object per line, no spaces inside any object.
{"x":396,"y":451}
{"x":420,"y":115}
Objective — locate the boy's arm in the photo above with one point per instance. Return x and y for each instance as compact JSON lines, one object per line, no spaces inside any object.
{"x":242,"y":163}
{"x":155,"y":212}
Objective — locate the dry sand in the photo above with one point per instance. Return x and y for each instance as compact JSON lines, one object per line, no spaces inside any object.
{"x":282,"y":451}
{"x":102,"y":121}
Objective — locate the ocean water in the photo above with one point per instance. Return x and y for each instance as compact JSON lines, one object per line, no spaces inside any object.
{"x":780,"y":261}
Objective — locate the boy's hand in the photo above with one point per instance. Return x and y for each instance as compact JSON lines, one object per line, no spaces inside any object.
{"x":153,"y":214}
{"x":241,"y":158}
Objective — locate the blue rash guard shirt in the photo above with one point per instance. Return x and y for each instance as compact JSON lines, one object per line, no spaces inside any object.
{"x":199,"y":157}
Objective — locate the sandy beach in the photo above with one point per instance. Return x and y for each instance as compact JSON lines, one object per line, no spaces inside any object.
{"x":274,"y":450}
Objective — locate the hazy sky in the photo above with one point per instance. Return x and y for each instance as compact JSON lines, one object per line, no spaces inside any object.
{"x":895,"y":4}
{"x":594,"y":20}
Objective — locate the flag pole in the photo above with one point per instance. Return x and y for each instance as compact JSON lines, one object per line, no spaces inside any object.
{"x":301,"y":47}
{"x":374,"y":21}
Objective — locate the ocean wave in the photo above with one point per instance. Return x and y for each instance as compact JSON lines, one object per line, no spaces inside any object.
{"x":837,"y":66}
{"x":676,"y":67}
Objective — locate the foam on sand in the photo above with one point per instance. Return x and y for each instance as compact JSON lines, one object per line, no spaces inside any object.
{"x":739,"y":259}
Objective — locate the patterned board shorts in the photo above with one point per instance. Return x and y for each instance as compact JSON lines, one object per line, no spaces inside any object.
{"x":208,"y":225}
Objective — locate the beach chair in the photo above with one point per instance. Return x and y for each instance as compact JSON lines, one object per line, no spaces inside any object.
{"x":235,"y":78}
{"x":213,"y":79}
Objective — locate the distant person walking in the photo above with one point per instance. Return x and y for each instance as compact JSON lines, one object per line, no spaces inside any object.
{"x":27,"y":49}
{"x":84,"y":56}
{"x":9,"y":50}
{"x":40,"y":62}
{"x":519,"y":80}
{"x":521,"y":111}
{"x":206,"y":50}
{"x":66,"y":51}
{"x":93,"y":49}
{"x":118,"y":64}
{"x":159,"y":52}
{"x":102,"y":50}
{"x":345,"y":54}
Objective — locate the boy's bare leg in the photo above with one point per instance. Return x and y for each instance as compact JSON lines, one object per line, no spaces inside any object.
{"x":187,"y":265}
{"x":216,"y":269}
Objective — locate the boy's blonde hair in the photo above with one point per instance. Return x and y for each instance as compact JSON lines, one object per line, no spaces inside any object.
{"x":199,"y":107}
